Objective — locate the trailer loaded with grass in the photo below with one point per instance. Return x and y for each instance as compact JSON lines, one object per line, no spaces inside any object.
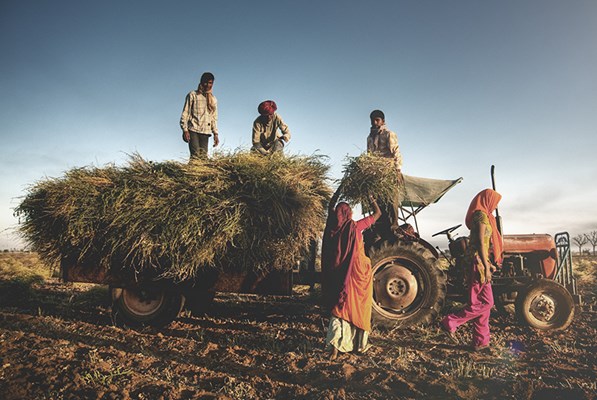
{"x":162,"y":233}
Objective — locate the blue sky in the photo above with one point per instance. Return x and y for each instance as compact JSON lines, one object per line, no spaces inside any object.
{"x":464,"y":84}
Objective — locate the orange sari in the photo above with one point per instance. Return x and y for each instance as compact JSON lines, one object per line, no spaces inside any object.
{"x":348,"y":285}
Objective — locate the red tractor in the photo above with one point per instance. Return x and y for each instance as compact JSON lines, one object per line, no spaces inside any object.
{"x":410,"y":288}
{"x":536,"y":277}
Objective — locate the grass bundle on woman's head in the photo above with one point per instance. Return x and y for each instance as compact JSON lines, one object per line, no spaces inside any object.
{"x":235,"y":212}
{"x":367,"y":175}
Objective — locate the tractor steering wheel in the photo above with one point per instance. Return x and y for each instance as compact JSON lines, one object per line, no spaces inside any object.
{"x":447,"y":231}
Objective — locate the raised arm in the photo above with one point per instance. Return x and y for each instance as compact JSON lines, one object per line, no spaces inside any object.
{"x":334,"y":200}
{"x":366,"y":222}
{"x":376,"y":210}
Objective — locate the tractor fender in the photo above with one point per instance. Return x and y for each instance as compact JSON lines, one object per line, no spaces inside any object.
{"x":429,"y":247}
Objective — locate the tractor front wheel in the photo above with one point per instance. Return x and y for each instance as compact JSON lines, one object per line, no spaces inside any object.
{"x":145,"y":305}
{"x":545,"y":305}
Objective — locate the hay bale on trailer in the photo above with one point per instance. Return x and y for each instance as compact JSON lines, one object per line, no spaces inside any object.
{"x":147,"y":221}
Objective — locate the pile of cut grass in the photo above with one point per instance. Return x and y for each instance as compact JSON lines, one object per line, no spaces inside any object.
{"x":234,"y":212}
{"x":368,"y":174}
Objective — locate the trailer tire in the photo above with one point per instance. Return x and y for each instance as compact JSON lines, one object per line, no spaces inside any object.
{"x":545,"y":305}
{"x":145,"y":305}
{"x":409,"y":288}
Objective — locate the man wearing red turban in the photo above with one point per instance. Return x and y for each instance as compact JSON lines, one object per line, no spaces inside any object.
{"x":269,"y":130}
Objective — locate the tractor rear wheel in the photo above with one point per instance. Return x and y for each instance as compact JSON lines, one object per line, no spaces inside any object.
{"x":146,"y":305}
{"x":409,"y":288}
{"x":545,"y":305}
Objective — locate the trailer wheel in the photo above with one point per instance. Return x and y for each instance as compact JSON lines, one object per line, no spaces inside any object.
{"x":545,"y":305}
{"x":146,"y":305}
{"x":409,"y":288}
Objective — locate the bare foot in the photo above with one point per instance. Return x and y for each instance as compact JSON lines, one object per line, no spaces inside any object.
{"x":334,"y":354}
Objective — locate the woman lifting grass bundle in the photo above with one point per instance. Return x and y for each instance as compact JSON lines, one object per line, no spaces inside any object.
{"x":347,"y":278}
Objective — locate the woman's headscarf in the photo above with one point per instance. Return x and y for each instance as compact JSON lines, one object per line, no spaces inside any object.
{"x":339,"y":246}
{"x":487,"y":201}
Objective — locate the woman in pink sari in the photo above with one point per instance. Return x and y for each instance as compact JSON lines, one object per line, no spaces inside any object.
{"x":347,"y":280}
{"x":482,"y":224}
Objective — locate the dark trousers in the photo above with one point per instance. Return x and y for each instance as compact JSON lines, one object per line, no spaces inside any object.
{"x":198,"y":144}
{"x":277,"y":146}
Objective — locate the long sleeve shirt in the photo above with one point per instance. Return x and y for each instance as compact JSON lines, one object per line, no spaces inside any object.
{"x":384,"y":143}
{"x":196,"y":116}
{"x":265,"y":133}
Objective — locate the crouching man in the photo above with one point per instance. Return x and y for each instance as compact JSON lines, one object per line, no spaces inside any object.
{"x":270,"y":133}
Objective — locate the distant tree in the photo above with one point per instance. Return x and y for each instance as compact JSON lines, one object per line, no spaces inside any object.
{"x":580,"y":241}
{"x":592,"y":238}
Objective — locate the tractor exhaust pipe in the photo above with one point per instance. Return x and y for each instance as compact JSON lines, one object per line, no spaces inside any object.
{"x":498,"y":219}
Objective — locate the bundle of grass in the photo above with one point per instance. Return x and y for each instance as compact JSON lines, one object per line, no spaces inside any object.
{"x":367,"y":175}
{"x":233,"y":212}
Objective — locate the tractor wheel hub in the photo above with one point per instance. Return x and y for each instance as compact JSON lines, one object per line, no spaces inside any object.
{"x":543,"y":308}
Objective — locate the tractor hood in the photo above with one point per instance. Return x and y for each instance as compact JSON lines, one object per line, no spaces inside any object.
{"x":540,"y":248}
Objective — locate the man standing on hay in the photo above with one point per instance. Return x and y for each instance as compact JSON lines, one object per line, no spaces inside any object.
{"x":383,"y":142}
{"x":199,"y":119}
{"x":266,"y":138}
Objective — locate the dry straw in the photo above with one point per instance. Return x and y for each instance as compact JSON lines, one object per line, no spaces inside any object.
{"x":367,"y":175}
{"x":235,"y":211}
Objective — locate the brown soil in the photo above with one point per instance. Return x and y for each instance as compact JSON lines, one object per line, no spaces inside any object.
{"x":58,"y":341}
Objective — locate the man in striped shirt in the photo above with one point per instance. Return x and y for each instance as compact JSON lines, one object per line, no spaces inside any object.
{"x":382,"y":141}
{"x":199,"y":119}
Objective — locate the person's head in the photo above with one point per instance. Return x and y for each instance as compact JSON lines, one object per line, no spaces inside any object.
{"x":207,"y":81}
{"x":488,"y":199}
{"x":343,"y":212}
{"x":377,"y":118}
{"x":267,"y":109}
